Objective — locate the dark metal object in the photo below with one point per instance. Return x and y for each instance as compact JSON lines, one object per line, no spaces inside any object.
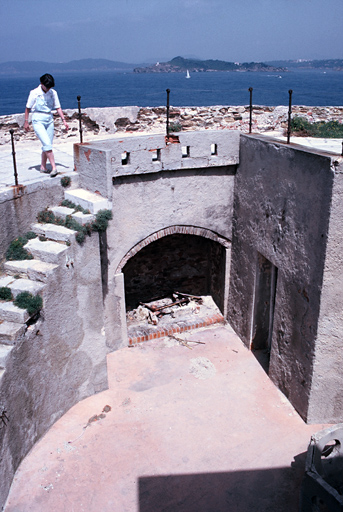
{"x":3,"y":417}
{"x":156,"y":309}
{"x":14,"y":160}
{"x":193,"y":297}
{"x":80,"y":117}
{"x":290,"y":92}
{"x":167,"y":129}
{"x":250,"y":109}
{"x":321,"y":488}
{"x":342,"y":149}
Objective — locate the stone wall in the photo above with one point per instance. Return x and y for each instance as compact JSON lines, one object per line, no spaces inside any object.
{"x":59,"y":361}
{"x":282,"y":209}
{"x":19,"y":208}
{"x":186,"y":189}
{"x":153,"y":120}
{"x":326,"y":399}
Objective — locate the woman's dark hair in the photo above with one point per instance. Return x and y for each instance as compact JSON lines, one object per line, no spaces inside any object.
{"x":47,"y":80}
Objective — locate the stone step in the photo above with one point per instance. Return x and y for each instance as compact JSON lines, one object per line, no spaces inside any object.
{"x":49,"y":251}
{"x":61,"y":211}
{"x":36,"y":270}
{"x":88,"y":200}
{"x":54,"y":232}
{"x":10,"y":332}
{"x":4,"y":352}
{"x":26,"y":285}
{"x":5,"y":281}
{"x":84,"y":218}
{"x":81,"y":218}
{"x":11,"y":313}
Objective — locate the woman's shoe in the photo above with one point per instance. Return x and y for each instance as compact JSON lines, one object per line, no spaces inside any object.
{"x":53,"y":173}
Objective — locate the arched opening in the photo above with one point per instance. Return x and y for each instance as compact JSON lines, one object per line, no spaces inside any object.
{"x":186,"y":263}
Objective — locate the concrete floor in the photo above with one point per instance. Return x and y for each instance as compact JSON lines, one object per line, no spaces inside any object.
{"x":201,"y":430}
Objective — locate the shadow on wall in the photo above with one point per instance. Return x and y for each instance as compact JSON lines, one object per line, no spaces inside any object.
{"x":261,"y":490}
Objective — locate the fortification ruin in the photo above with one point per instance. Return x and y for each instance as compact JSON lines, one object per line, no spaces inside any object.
{"x":249,"y":221}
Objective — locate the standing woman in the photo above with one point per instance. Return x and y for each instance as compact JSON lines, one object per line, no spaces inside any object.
{"x":42,"y":101}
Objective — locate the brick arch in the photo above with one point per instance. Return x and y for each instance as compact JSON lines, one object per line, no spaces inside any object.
{"x":171,"y":230}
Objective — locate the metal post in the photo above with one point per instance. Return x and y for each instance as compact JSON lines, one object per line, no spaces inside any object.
{"x":168,"y":92}
{"x":14,"y":161}
{"x":250,"y":115}
{"x":80,"y":121}
{"x":290,"y":92}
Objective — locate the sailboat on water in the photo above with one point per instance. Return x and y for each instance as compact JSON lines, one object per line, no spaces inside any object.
{"x":187,"y":74}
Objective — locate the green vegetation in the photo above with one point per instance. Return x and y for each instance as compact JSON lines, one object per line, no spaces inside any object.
{"x":75,"y":207}
{"x":101,"y":220}
{"x":5,"y":293}
{"x":16,"y":249}
{"x":65,"y":181}
{"x":32,"y":303}
{"x":100,"y":223}
{"x":328,"y":130}
{"x":175,"y":127}
{"x":218,"y":65}
{"x":46,"y":217}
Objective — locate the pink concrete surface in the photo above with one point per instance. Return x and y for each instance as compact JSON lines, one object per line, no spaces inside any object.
{"x":228,"y":441}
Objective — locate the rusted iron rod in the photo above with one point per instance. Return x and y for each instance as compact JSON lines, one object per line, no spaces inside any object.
{"x":14,"y":159}
{"x":156,"y":309}
{"x":80,"y":117}
{"x":196,"y":297}
{"x":167,"y":127}
{"x":250,"y":109}
{"x":290,"y":92}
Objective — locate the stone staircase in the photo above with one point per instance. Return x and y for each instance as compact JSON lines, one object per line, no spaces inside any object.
{"x":50,"y":249}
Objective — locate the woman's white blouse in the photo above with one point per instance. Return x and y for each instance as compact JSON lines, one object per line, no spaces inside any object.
{"x":40,"y":101}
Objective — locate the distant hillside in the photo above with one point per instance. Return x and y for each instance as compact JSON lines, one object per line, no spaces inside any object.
{"x":74,"y":66}
{"x":176,"y":65}
{"x":179,"y":64}
{"x":334,"y":64}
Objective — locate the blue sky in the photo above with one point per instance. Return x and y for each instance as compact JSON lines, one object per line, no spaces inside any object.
{"x":138,"y":31}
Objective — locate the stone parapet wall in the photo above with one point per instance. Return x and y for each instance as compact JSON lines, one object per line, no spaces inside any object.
{"x":99,"y":162}
{"x":153,"y":120}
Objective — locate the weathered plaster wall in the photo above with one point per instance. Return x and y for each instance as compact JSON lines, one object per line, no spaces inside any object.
{"x":99,"y":162}
{"x":326,"y":398}
{"x":153,"y":185}
{"x":18,"y":213}
{"x":146,"y":204}
{"x":281,"y":210}
{"x":58,"y":362}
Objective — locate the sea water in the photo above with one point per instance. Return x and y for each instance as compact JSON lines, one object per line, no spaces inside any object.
{"x":109,"y":89}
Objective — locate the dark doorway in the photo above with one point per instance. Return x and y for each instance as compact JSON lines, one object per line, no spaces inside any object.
{"x":185,"y":263}
{"x":264,"y":305}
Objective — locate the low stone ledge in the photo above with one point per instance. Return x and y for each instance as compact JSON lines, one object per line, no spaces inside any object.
{"x":11,"y":313}
{"x":10,"y":332}
{"x":110,"y":120}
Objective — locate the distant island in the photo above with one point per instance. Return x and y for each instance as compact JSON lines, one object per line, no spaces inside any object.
{"x":179,"y":65}
{"x":74,"y":66}
{"x":176,"y":65}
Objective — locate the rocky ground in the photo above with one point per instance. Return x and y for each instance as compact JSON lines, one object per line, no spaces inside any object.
{"x":127,"y":120}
